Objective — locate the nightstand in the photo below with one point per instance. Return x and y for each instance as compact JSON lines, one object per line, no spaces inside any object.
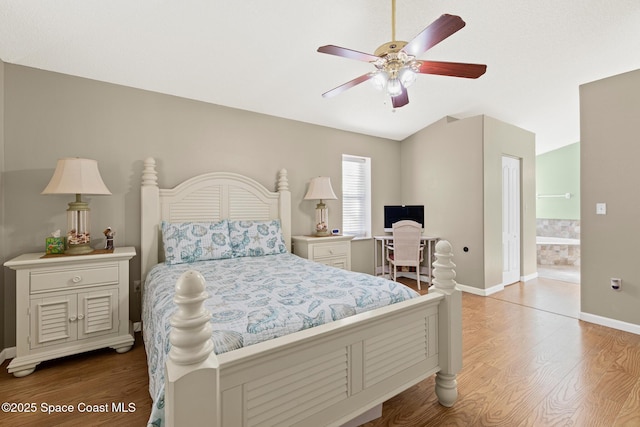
{"x":70,"y":304}
{"x":330,"y":250}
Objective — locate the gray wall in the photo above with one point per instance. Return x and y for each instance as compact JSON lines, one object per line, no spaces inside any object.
{"x":44,"y":116}
{"x":454,"y":168}
{"x":609,"y":153}
{"x":4,"y":323}
{"x":500,"y":139}
{"x":442,"y":169}
{"x":50,"y":115}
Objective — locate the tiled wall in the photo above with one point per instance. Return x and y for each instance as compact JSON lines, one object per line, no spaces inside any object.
{"x":568,"y":228}
{"x":558,"y":254}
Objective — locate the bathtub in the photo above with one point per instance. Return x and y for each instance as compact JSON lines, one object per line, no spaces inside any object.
{"x":557,"y":251}
{"x":541,"y":240}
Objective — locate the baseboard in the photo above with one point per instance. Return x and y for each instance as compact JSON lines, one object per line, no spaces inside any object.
{"x":7,"y":353}
{"x":610,"y":323}
{"x":481,"y":292}
{"x":137,"y":326}
{"x":493,"y":289}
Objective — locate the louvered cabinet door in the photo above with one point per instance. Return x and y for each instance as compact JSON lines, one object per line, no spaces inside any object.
{"x":67,"y":318}
{"x":53,"y":320}
{"x":97,"y":313}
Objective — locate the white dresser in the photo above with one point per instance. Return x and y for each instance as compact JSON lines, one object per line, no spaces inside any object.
{"x":330,"y":250}
{"x":70,"y":304}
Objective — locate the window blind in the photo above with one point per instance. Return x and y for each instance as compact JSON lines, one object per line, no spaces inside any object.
{"x":356,"y":195}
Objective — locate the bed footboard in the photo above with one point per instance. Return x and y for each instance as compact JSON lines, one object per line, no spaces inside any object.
{"x":325,"y":375}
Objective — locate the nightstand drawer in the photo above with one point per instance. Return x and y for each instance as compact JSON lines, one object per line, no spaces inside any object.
{"x":66,"y":278}
{"x":334,"y":249}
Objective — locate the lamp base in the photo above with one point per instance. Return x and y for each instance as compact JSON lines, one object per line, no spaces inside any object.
{"x":322,"y":220}
{"x":81,"y":249}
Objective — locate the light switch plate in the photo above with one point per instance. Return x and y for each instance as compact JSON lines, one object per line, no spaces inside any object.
{"x":601,"y":208}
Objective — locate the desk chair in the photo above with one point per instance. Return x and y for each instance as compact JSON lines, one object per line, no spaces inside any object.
{"x":406,"y":250}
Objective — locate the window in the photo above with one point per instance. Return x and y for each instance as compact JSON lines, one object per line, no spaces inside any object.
{"x":356,"y":196}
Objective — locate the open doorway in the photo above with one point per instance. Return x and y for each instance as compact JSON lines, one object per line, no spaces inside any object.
{"x":558,"y":214}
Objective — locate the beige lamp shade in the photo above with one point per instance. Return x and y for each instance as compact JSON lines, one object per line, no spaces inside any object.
{"x":76,"y":176}
{"x":320,"y":189}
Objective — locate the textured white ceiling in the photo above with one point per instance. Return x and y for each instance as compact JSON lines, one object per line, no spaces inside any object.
{"x":261,"y":55}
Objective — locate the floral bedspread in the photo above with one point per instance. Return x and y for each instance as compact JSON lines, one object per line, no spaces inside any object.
{"x":254,"y":299}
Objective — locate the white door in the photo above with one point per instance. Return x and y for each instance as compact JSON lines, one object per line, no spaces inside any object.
{"x":510,"y":220}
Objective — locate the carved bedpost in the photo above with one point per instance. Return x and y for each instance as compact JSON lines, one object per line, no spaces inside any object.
{"x":449,"y":324}
{"x":191,"y":376}
{"x":150,"y":212}
{"x":285,"y":206}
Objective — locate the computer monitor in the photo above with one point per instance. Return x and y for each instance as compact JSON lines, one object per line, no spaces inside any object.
{"x":395,"y":213}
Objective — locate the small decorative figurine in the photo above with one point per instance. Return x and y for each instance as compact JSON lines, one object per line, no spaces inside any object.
{"x":108,"y":233}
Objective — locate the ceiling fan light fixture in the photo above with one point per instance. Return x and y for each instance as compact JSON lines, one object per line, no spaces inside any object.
{"x":379,"y":79}
{"x":407,"y":76}
{"x":394,"y":87}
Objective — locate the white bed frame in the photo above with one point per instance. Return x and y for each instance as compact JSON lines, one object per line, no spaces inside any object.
{"x":323,"y":376}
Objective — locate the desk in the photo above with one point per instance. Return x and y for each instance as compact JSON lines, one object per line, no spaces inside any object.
{"x":382,"y":268}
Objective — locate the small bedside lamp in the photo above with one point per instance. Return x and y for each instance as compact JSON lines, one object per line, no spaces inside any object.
{"x":77,"y":176}
{"x":320,"y":189}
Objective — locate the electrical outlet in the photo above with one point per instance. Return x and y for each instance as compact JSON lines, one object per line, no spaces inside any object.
{"x":136,"y":286}
{"x":616,"y":284}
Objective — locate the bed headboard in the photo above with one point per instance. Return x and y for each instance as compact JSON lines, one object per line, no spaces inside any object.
{"x":209,"y":197}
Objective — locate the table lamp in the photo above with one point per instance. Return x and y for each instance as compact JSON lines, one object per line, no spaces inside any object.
{"x":320,"y":189}
{"x":77,"y":176}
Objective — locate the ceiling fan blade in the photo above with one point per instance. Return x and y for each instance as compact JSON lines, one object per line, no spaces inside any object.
{"x":439,"y":30}
{"x":400,"y":100}
{"x":347,"y":53}
{"x":455,"y":69}
{"x":347,"y":85}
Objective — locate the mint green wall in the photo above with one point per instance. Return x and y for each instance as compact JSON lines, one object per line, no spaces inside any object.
{"x":558,"y":172}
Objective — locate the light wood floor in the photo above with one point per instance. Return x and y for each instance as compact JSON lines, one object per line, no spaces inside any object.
{"x":549,"y":295}
{"x":523,"y":366}
{"x":95,"y":378}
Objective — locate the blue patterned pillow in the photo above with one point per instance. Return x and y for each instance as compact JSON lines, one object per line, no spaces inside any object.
{"x":256,"y":238}
{"x":195,"y":241}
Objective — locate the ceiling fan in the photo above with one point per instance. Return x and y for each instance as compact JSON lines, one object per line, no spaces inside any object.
{"x":396,"y":64}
